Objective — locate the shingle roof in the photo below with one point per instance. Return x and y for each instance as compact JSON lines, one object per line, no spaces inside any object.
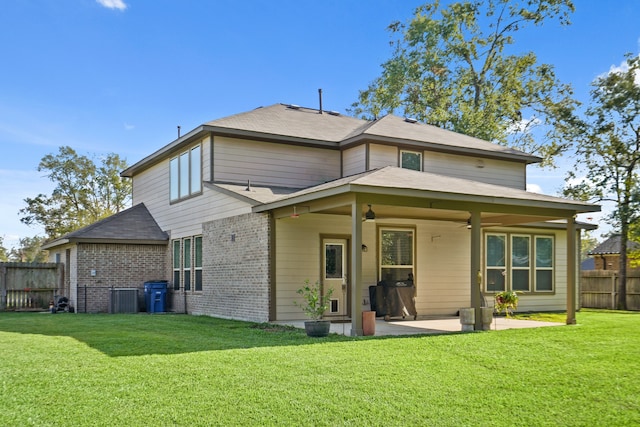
{"x":393,"y":178}
{"x":133,"y":225}
{"x":299,"y":125}
{"x":611,"y":246}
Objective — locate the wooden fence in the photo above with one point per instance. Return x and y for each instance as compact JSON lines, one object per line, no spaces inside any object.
{"x":29,"y":286}
{"x":599,"y":289}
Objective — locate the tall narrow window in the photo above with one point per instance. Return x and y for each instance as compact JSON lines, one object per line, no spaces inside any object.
{"x":411,"y":160}
{"x":198,"y":263}
{"x":176,"y":265}
{"x":174,"y":170}
{"x":186,"y":263}
{"x":520,"y":263}
{"x":495,"y":262}
{"x":185,"y":174}
{"x":396,"y":255}
{"x":333,"y":261}
{"x":544,"y":264}
{"x":196,"y":172}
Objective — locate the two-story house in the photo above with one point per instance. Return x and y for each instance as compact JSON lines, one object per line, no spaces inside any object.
{"x":243,"y":209}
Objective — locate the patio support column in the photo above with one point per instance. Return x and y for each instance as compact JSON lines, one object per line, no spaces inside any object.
{"x":571,"y":270}
{"x":356,"y":269}
{"x":476,"y":275}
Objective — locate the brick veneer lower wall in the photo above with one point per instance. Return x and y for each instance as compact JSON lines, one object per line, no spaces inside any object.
{"x":236,"y":274}
{"x":117,"y":266}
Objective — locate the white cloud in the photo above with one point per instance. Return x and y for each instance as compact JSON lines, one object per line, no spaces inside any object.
{"x":128,"y":126}
{"x":534,"y":188}
{"x":622,"y":68}
{"x":524,"y":125}
{"x":113,"y":4}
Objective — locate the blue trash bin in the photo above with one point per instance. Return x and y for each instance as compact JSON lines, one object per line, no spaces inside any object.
{"x":155,"y":296}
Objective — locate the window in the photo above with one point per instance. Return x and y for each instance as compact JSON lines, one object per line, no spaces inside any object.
{"x":198,"y":263}
{"x":520,"y":263}
{"x":396,"y":255}
{"x":411,"y":160}
{"x":527,"y":268}
{"x":495,"y":262}
{"x":176,"y":265}
{"x":185,"y":174}
{"x":187,"y":264}
{"x":544,"y":264}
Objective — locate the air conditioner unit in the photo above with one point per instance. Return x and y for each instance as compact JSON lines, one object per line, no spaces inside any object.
{"x":124,"y":300}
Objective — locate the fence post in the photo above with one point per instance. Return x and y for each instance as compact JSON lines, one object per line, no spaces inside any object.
{"x":613,"y":291}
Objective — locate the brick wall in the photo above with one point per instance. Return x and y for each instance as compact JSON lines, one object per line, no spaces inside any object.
{"x":119,"y":266}
{"x":236,"y":271}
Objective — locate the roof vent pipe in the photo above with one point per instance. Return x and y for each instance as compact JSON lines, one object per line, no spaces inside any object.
{"x":320,"y":98}
{"x":178,"y":132}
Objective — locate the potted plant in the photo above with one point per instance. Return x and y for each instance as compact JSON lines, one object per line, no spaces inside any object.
{"x":314,"y":305}
{"x":507,"y":302}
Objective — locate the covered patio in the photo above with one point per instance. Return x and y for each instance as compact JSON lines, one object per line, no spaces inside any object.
{"x":404,"y":194}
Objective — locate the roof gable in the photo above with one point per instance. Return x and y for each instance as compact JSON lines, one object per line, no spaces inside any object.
{"x":133,"y":225}
{"x":611,"y":246}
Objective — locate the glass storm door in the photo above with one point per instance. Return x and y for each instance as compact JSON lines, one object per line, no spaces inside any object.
{"x":334,"y":275}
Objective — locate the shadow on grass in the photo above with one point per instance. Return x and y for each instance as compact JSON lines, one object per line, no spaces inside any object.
{"x":118,"y":335}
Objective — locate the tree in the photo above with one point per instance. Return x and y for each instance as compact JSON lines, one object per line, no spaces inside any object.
{"x":608,"y":153}
{"x":451,"y":68}
{"x":3,"y":251}
{"x":85,"y":192}
{"x":30,"y":250}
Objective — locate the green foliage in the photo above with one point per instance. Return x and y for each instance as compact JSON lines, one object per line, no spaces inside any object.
{"x":314,"y":302}
{"x":452,"y":67}
{"x":506,"y":302}
{"x":30,"y":250}
{"x":86,"y":191}
{"x":607,"y":145}
{"x":74,"y":369}
{"x":3,"y":251}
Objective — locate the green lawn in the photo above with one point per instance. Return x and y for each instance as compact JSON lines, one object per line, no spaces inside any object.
{"x":107,"y":370}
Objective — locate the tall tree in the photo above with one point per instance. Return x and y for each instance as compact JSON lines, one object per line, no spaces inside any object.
{"x":3,"y":251}
{"x":30,"y":250}
{"x":85,"y":192}
{"x":451,"y":67}
{"x":608,"y":153}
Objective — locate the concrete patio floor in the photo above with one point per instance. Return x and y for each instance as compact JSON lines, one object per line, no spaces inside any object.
{"x":439,"y":325}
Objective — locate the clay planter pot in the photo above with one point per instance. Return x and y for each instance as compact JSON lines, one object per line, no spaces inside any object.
{"x":317,"y":328}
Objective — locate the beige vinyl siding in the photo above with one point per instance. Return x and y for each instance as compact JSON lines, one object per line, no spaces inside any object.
{"x":382,"y":155}
{"x":490,"y":171}
{"x":183,"y":218}
{"x":443,"y":269}
{"x":354,"y":160}
{"x":298,"y":257}
{"x":265,"y":163}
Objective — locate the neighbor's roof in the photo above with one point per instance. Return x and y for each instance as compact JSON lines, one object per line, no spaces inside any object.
{"x":134,"y":225}
{"x":611,"y":246}
{"x":307,"y":126}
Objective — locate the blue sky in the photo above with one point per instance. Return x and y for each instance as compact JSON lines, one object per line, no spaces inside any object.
{"x":119,"y":75}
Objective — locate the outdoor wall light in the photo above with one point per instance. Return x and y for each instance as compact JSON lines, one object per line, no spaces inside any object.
{"x":370,"y":216}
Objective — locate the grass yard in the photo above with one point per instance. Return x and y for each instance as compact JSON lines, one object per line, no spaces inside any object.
{"x":143,"y":370}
